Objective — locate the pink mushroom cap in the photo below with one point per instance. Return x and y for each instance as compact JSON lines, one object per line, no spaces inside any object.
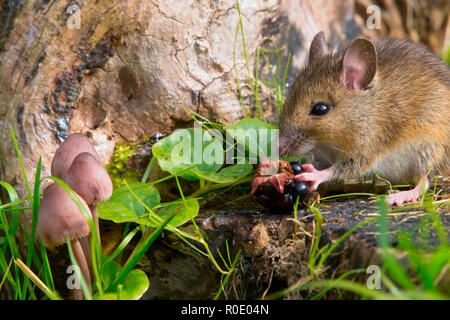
{"x":59,"y":217}
{"x":89,"y":179}
{"x":75,"y":144}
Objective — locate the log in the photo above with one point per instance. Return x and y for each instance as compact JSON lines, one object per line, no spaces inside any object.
{"x":276,"y":248}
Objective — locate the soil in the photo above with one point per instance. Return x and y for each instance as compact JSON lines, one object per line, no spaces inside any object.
{"x":276,"y":247}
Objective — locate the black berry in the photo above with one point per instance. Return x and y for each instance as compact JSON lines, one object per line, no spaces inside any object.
{"x":263,"y":199}
{"x":296,"y":168}
{"x":300,"y":190}
{"x":286,"y":200}
{"x":289,"y":184}
{"x":268,"y":189}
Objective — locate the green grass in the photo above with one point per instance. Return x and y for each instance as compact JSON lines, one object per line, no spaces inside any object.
{"x":230,"y":265}
{"x":33,"y":278}
{"x":417,"y":275}
{"x":277,"y":83}
{"x":19,"y":276}
{"x":426,"y":266}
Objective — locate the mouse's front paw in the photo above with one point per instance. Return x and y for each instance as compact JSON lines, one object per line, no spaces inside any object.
{"x":314,"y":176}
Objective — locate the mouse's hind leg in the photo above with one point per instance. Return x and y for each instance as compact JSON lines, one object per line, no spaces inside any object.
{"x":410,"y":196}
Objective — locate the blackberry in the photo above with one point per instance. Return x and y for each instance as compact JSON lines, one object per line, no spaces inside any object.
{"x":300,"y":190}
{"x":296,"y":168}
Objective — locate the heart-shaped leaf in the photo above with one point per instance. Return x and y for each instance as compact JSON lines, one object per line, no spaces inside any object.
{"x":132,"y":288}
{"x":109,"y":272}
{"x":184,"y":150}
{"x":186,"y":212}
{"x":258,"y":137}
{"x":228,"y":174}
{"x":180,"y":154}
{"x":135,"y":285}
{"x":123,"y":205}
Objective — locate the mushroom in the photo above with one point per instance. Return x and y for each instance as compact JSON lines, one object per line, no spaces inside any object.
{"x":58,"y":218}
{"x":87,"y":177}
{"x":75,"y":144}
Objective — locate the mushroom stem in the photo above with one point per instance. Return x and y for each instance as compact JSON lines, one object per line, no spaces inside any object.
{"x":93,"y":208}
{"x":85,"y":243}
{"x":80,"y":257}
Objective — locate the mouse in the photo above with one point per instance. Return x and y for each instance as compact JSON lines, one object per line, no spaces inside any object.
{"x":369,"y":106}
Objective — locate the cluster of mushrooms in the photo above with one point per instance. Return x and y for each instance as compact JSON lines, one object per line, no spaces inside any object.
{"x":75,"y":162}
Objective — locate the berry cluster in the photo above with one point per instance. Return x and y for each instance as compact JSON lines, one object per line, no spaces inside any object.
{"x":280,"y":191}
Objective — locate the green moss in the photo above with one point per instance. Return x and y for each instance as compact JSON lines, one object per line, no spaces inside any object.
{"x":117,"y":168}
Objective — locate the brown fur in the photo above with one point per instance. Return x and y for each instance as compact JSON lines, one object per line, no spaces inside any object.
{"x":399,"y":126}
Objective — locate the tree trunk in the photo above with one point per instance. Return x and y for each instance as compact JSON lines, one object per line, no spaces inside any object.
{"x":133,"y":67}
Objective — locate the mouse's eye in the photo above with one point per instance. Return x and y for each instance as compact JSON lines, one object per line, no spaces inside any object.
{"x":320,"y":109}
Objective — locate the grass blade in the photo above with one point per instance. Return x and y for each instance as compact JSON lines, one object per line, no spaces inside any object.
{"x":86,"y":292}
{"x":15,"y":216}
{"x":147,"y":171}
{"x":50,"y":293}
{"x":230,"y":271}
{"x":35,"y":204}
{"x":19,"y":156}
{"x":46,"y":266}
{"x":122,"y":245}
{"x":140,"y":250}
{"x":395,"y":269}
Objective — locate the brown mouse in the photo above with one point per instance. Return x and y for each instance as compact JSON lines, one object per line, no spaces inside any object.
{"x":370,"y":106}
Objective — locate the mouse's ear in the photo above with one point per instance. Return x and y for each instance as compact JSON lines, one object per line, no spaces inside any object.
{"x":318,"y":46}
{"x":359,"y":65}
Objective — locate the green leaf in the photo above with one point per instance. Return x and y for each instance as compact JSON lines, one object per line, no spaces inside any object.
{"x":255,"y":135}
{"x":132,"y":288}
{"x":141,"y":248}
{"x":188,"y":211}
{"x":15,"y":216}
{"x":181,"y":155}
{"x":109,"y":273}
{"x":228,"y":174}
{"x":185,"y":149}
{"x":124,"y":207}
{"x":135,"y":285}
{"x":251,"y":123}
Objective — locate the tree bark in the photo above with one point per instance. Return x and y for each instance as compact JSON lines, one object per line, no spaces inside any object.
{"x":134,"y":66}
